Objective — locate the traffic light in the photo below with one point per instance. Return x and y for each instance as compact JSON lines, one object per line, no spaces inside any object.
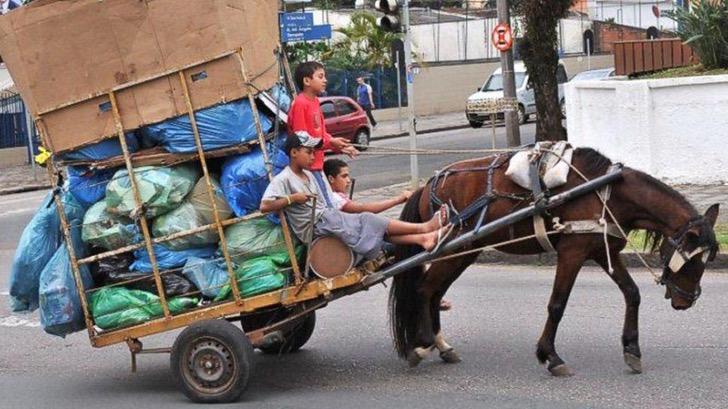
{"x":391,"y":19}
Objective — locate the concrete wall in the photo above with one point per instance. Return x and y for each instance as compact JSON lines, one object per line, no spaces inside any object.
{"x":673,"y":129}
{"x":447,"y":41}
{"x":10,"y":157}
{"x":445,"y":88}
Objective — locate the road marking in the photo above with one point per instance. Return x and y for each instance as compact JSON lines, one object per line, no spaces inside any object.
{"x":16,"y":211}
{"x":14,"y":322}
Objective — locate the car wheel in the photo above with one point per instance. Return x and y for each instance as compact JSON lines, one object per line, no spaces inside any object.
{"x":522,"y":117}
{"x":476,"y":124}
{"x":362,"y":139}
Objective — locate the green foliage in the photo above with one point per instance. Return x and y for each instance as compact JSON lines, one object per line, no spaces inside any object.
{"x":705,"y":28}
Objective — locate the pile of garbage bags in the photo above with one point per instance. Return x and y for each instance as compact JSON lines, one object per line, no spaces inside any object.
{"x":102,"y":214}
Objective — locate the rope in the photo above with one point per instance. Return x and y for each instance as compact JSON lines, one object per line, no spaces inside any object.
{"x":405,"y":151}
{"x":491,"y":246}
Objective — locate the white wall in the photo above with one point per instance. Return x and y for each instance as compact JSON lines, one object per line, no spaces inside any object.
{"x":633,"y":13}
{"x":675,"y":129}
{"x":452,"y":40}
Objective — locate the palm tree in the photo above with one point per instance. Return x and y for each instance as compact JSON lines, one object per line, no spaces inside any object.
{"x":366,"y":41}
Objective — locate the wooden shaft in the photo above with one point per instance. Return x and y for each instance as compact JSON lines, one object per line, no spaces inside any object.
{"x":210,"y":190}
{"x":261,"y":138}
{"x":140,"y":204}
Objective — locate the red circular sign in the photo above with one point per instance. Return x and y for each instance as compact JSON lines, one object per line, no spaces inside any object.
{"x":502,"y":37}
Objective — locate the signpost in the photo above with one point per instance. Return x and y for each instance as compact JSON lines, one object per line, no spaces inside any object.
{"x":300,"y":27}
{"x":503,"y":40}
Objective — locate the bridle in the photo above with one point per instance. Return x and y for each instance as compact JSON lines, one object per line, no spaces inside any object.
{"x":675,"y":262}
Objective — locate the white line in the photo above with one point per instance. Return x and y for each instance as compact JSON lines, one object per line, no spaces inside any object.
{"x":14,"y":322}
{"x":4,"y":293}
{"x":16,"y":211}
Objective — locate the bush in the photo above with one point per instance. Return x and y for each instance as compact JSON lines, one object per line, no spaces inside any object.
{"x":705,"y":28}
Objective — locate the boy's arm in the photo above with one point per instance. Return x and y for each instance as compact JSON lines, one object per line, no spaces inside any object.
{"x":270,"y":205}
{"x":375,"y":207}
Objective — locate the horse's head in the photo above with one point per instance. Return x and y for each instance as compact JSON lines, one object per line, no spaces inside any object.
{"x":685,"y":255}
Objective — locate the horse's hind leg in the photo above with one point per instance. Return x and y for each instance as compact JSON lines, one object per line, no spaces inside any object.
{"x":630,"y":332}
{"x":571,"y":256}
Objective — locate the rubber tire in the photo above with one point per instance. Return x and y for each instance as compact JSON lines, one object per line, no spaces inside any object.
{"x":522,"y":117}
{"x":233,"y":339}
{"x":476,"y":124}
{"x":363,"y":138}
{"x":296,"y":339}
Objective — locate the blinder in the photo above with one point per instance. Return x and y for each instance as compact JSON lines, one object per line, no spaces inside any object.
{"x":681,"y":257}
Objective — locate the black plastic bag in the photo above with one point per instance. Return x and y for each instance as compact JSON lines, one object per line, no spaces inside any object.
{"x":114,"y":270}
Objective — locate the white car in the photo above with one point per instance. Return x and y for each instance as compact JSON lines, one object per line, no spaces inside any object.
{"x":493,"y":90}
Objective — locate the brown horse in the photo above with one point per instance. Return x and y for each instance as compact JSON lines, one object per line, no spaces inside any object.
{"x":686,"y":241}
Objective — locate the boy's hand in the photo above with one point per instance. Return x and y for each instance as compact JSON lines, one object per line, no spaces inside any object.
{"x":339,"y":144}
{"x":299,"y":198}
{"x":350,"y":151}
{"x":404,"y":196}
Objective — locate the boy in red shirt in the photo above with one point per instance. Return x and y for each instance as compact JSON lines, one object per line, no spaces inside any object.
{"x":305,"y":115}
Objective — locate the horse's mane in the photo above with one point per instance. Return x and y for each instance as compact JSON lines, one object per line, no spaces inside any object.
{"x":595,"y":162}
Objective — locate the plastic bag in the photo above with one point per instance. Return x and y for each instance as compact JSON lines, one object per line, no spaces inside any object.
{"x":281,"y":97}
{"x":60,"y":305}
{"x":105,"y":149}
{"x":162,"y":189}
{"x":120,"y":307}
{"x":168,"y":259}
{"x":88,"y":186}
{"x":105,"y":230}
{"x":254,"y":238}
{"x":195,"y":211}
{"x":39,"y":242}
{"x":115,"y":270}
{"x":219,"y":126}
{"x":256,"y":276}
{"x":209,"y":276}
{"x":245,"y":178}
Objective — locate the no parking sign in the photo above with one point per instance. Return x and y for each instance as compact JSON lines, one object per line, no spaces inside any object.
{"x":502,"y":37}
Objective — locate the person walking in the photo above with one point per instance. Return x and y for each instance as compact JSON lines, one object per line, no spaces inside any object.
{"x":365,"y":98}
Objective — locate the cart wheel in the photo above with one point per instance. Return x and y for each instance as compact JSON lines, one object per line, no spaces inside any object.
{"x":295,"y":339}
{"x":212,"y":362}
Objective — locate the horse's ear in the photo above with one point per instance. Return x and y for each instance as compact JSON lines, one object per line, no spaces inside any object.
{"x":711,"y":215}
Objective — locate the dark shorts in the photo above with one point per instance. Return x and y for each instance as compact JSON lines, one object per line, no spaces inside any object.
{"x":363,"y":232}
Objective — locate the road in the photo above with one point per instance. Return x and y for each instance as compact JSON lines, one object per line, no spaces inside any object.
{"x":349,"y":363}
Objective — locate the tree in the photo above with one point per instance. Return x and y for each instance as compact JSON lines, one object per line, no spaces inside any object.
{"x":539,"y":52}
{"x":366,"y":41}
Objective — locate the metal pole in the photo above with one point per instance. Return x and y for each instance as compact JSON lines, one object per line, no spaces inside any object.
{"x":29,"y":131}
{"x":513,"y":132}
{"x":414,"y":167}
{"x":588,"y":54}
{"x":398,"y":65}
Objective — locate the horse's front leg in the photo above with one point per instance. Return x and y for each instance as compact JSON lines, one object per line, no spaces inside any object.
{"x":570,"y":259}
{"x":630,"y":332}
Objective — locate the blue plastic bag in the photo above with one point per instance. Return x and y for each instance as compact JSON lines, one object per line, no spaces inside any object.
{"x":209,"y":276}
{"x":105,"y":149}
{"x":60,"y":306}
{"x":281,"y":97}
{"x":168,"y":259}
{"x":220,"y":126}
{"x":245,"y":178}
{"x":39,"y":242}
{"x":88,"y":186}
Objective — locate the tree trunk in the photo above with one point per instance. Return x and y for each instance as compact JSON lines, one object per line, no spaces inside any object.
{"x":540,"y":55}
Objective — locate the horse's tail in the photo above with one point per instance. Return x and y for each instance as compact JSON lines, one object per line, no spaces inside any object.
{"x":403,"y":297}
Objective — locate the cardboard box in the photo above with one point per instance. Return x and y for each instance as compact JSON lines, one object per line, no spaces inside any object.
{"x":67,"y":55}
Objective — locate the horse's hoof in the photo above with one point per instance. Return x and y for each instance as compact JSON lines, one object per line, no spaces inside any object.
{"x":450,"y":356}
{"x":633,"y":362}
{"x":561,"y":371}
{"x":413,"y":359}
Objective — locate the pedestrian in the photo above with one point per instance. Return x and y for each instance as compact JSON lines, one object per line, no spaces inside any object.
{"x":365,"y":98}
{"x":305,"y":116}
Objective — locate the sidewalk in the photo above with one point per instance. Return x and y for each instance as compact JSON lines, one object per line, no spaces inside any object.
{"x":425,"y":124}
{"x":21,"y":178}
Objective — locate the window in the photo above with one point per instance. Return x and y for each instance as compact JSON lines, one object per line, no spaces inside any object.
{"x":561,"y":75}
{"x":345,"y":108}
{"x":328,"y":109}
{"x":495,"y":82}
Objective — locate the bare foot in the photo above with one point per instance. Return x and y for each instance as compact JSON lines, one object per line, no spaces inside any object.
{"x":429,"y":241}
{"x":439,"y":219}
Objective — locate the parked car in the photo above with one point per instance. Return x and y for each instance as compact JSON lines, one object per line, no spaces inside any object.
{"x":346,"y":119}
{"x":601,"y":74}
{"x":493,"y":89}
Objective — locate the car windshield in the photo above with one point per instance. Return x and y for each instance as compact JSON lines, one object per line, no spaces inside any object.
{"x":591,"y":75}
{"x":495,"y":82}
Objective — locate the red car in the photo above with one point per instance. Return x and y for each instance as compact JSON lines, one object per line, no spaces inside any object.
{"x":346,"y":119}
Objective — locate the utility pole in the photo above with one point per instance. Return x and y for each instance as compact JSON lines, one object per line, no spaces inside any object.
{"x":513,"y":131}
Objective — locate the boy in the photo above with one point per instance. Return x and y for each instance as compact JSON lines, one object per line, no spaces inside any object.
{"x":305,"y":115}
{"x":365,"y":98}
{"x":337,"y":173}
{"x":293,"y":189}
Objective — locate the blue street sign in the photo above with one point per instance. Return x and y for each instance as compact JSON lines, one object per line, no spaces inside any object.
{"x":296,"y":19}
{"x":300,"y":27}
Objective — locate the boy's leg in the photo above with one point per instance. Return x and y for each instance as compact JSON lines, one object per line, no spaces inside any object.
{"x":427,"y":241}
{"x":398,"y":227}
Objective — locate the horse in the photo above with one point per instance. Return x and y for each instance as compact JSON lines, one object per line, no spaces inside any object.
{"x":684,"y":238}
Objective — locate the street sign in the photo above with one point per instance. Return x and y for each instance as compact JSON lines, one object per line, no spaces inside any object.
{"x":300,"y":27}
{"x":502,"y":37}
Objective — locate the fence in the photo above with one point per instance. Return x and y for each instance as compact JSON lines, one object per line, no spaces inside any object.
{"x":14,"y":124}
{"x":382,"y":80}
{"x":634,"y":57}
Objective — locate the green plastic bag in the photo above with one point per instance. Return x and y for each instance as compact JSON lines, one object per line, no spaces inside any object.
{"x":120,"y":307}
{"x":256,"y":276}
{"x":162,"y":189}
{"x":105,"y":230}
{"x":255,"y":238}
{"x":195,"y":211}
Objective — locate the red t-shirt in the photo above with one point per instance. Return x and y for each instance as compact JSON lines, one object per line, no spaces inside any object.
{"x":305,"y":115}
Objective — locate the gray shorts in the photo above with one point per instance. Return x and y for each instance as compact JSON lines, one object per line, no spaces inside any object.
{"x":363,"y":232}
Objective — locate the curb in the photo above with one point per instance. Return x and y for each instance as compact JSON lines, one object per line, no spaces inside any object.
{"x":23,"y":189}
{"x":549,"y":259}
{"x":420,"y":132}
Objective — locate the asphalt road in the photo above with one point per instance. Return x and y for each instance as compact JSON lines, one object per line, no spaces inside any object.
{"x":349,"y":363}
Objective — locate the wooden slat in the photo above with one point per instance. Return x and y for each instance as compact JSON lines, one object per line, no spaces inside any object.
{"x":657,"y":56}
{"x":619,"y":59}
{"x":648,"y":58}
{"x":677,"y":54}
{"x":667,"y":54}
{"x":629,"y":58}
{"x":639,"y":57}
